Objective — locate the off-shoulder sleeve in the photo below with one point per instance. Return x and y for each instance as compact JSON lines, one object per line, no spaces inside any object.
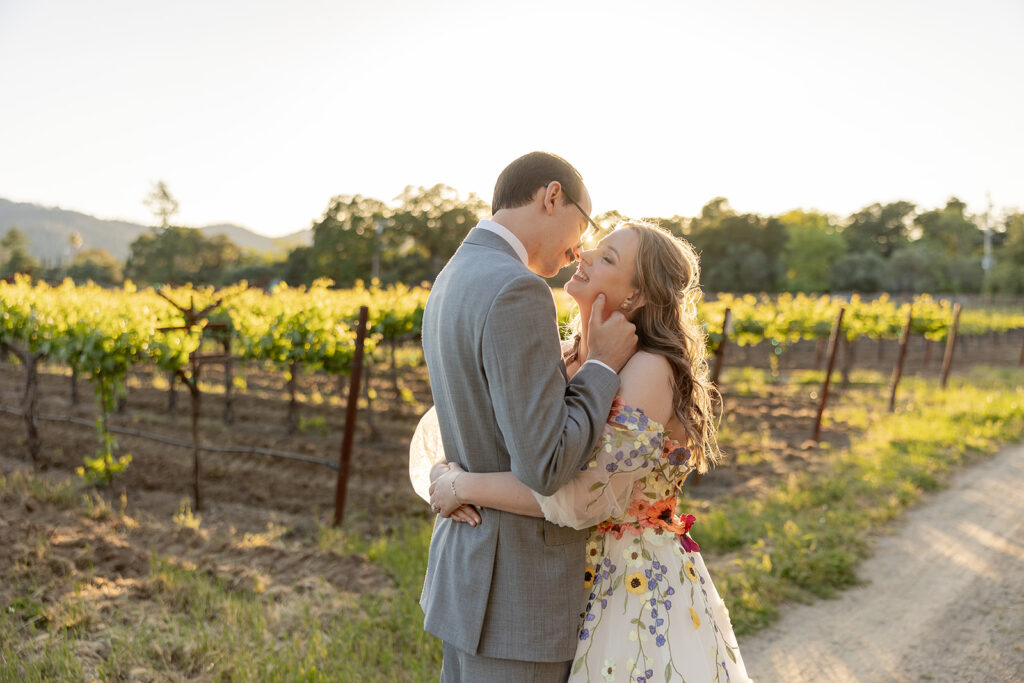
{"x":627,"y":451}
{"x":425,"y":451}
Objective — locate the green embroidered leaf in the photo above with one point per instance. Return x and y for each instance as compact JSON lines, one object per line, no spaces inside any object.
{"x":732,"y":655}
{"x":578,"y":664}
{"x":647,"y":555}
{"x":668,"y":671}
{"x":596,"y":485}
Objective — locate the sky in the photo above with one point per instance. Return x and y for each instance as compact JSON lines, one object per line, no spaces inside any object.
{"x":257,"y":112}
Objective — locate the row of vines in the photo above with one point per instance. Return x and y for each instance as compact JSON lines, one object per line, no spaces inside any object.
{"x":101,"y":333}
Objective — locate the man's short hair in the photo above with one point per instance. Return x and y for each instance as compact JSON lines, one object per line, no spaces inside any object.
{"x":518,"y":183}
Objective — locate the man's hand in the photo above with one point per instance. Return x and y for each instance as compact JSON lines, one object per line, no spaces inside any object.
{"x":612,"y":340}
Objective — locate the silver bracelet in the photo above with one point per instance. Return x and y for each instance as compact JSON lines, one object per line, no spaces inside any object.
{"x":452,"y":483}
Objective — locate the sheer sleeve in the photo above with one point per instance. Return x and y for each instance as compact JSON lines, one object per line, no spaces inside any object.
{"x":425,"y":451}
{"x":627,"y":451}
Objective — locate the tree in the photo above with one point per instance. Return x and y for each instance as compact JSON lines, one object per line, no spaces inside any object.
{"x":917,"y":267}
{"x":950,"y":230}
{"x":878,"y":228}
{"x":738,"y":252}
{"x":97,"y":265}
{"x":14,"y":256}
{"x":1008,"y":274}
{"x":813,"y":244}
{"x":426,"y":228}
{"x":344,"y":241}
{"x":161,"y":203}
{"x":179,"y":254}
{"x":860,"y":271}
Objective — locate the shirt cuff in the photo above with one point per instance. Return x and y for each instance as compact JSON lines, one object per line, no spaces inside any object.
{"x":603,"y":365}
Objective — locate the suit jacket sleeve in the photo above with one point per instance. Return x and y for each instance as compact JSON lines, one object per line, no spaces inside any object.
{"x":548,"y":427}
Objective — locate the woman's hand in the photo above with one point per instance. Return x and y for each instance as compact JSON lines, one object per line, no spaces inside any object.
{"x":444,"y":501}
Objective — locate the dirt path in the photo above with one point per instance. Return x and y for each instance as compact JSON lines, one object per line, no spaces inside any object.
{"x":943,"y":598}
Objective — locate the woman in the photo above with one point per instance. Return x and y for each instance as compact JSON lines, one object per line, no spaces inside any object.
{"x":652,"y":612}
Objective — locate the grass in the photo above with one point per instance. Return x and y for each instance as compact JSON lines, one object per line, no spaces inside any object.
{"x":800,"y":540}
{"x":804,"y":538}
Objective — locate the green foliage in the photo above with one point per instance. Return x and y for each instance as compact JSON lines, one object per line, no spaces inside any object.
{"x":739,"y":253}
{"x":95,"y":265}
{"x":14,"y":256}
{"x":880,"y":228}
{"x":806,"y":537}
{"x":177,"y":254}
{"x":813,"y":244}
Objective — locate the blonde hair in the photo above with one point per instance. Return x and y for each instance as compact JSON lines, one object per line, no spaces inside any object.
{"x":667,"y":275}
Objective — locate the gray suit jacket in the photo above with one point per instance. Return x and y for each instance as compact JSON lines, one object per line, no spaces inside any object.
{"x":511,"y":587}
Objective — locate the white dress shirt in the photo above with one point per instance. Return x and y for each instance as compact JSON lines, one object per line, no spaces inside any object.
{"x":507,"y":235}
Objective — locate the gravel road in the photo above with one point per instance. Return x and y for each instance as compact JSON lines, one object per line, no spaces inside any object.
{"x":943,"y":598}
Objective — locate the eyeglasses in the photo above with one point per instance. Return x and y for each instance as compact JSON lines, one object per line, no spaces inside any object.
{"x":592,"y":225}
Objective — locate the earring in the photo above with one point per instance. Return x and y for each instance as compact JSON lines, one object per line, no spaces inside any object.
{"x":625,"y":305}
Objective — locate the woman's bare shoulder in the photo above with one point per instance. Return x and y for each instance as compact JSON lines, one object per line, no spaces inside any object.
{"x":646,"y":383}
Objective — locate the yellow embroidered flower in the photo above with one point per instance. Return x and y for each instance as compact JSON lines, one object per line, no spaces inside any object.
{"x":691,"y":572}
{"x":695,"y":618}
{"x":636,"y":583}
{"x":588,"y":576}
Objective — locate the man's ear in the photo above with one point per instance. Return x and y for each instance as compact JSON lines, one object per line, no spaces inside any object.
{"x":552,"y":196}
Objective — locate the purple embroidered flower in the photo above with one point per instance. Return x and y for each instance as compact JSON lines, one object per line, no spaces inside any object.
{"x":670,"y":591}
{"x":611,"y":467}
{"x":584,"y":634}
{"x":660,"y":640}
{"x":667,"y":603}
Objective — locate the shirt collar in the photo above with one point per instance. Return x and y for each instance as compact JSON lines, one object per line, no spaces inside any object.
{"x":507,"y":235}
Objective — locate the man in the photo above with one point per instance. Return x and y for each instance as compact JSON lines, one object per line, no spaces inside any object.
{"x":505,"y":596}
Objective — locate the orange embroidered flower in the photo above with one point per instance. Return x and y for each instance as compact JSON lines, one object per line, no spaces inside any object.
{"x":617,"y":405}
{"x":695,"y":618}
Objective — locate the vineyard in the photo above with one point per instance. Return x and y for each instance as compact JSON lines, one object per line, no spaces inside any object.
{"x":104,"y":373}
{"x":102,"y":335}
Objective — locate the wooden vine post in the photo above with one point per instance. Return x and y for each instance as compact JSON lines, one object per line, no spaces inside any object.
{"x":720,"y":350}
{"x":947,"y":361}
{"x":897,"y":370}
{"x":833,"y":346}
{"x":196,"y":319}
{"x":30,"y":398}
{"x":345,"y":458}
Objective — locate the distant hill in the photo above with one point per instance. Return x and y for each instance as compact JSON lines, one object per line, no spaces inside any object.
{"x":49,"y":230}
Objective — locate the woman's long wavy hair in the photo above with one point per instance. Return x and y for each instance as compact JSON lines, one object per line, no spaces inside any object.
{"x":667,"y":275}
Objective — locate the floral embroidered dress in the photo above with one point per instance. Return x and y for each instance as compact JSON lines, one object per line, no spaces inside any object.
{"x":652,"y":612}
